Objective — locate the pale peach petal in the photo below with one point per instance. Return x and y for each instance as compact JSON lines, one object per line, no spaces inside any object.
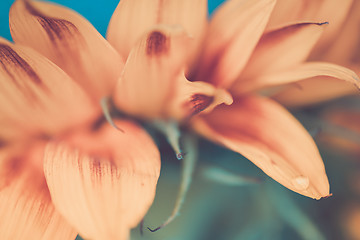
{"x":234,"y":32}
{"x":311,"y":91}
{"x":343,"y":50}
{"x":301,"y":72}
{"x":103,"y":182}
{"x":290,"y":45}
{"x":332,"y":11}
{"x":346,"y":47}
{"x":271,"y":138}
{"x":133,"y":18}
{"x":26,"y":209}
{"x":192,"y":98}
{"x":153,"y":84}
{"x":36,"y":96}
{"x":68,"y":40}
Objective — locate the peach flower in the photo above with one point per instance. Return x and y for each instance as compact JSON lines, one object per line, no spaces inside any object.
{"x":243,"y":56}
{"x":170,"y":63}
{"x":63,"y":171}
{"x":236,"y":54}
{"x":339,"y":44}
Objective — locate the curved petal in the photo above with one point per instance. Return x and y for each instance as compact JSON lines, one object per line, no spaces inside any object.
{"x":344,"y":76}
{"x":234,"y":31}
{"x":68,"y":40}
{"x":332,"y":11}
{"x":192,"y":98}
{"x":36,"y":96}
{"x":344,"y":50}
{"x":133,"y":18}
{"x":311,"y":91}
{"x":346,"y":47}
{"x":272,"y":139}
{"x":25,"y":203}
{"x":103,"y":182}
{"x":280,"y":49}
{"x":153,"y":84}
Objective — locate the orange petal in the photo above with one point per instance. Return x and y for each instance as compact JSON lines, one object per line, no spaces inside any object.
{"x":346,"y":48}
{"x":153,"y":84}
{"x":25,"y":203}
{"x":103,"y":182}
{"x":312,"y":91}
{"x":234,"y":32}
{"x":280,"y":49}
{"x":133,"y":18}
{"x":68,"y":40}
{"x":36,"y":96}
{"x":192,"y":98}
{"x":271,"y":138}
{"x":303,"y":71}
{"x":332,"y":11}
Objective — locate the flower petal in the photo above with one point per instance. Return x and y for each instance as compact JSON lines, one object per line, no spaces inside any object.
{"x":133,"y":18}
{"x":192,"y":98}
{"x":36,"y":96}
{"x":68,"y":40}
{"x":346,"y":48}
{"x":155,"y":71}
{"x":280,"y":49}
{"x":311,"y":91}
{"x":234,"y":32}
{"x":271,"y":138}
{"x":26,"y":205}
{"x":103,"y":182}
{"x":304,"y":71}
{"x":332,"y":11}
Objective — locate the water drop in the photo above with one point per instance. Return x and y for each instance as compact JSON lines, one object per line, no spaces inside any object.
{"x":301,"y":183}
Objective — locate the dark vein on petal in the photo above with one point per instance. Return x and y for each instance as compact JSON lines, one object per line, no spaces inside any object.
{"x":157,"y":43}
{"x":15,"y":67}
{"x":198,"y":103}
{"x":58,"y":30}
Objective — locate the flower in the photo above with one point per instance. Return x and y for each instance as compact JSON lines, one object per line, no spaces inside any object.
{"x":170,"y":63}
{"x":238,"y":55}
{"x":157,"y":47}
{"x":63,"y":171}
{"x":339,"y":44}
{"x":233,"y":53}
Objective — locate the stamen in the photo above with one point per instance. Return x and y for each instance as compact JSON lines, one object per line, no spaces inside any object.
{"x":171,"y":130}
{"x":180,"y":156}
{"x":104,"y":102}
{"x":322,"y":23}
{"x":187,"y":173}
